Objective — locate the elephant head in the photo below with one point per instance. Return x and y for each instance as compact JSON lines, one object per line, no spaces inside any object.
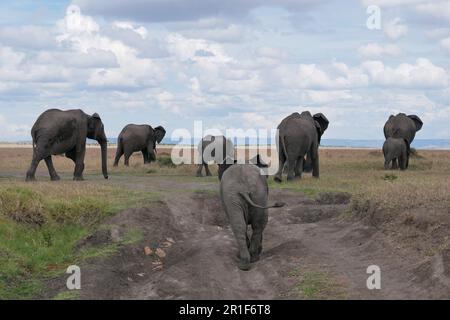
{"x":96,"y":131}
{"x":417,"y":121}
{"x":321,"y":123}
{"x":156,"y":136}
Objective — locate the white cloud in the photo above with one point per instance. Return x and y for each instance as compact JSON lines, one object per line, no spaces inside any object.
{"x":438,"y":9}
{"x":445,"y":44}
{"x":10,"y":130}
{"x":141,"y":31}
{"x":83,"y":35}
{"x":422,"y":74}
{"x":375,"y":50}
{"x":394,"y":29}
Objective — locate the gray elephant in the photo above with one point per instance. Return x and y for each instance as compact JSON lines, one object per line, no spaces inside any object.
{"x":404,"y":127}
{"x":396,"y":149}
{"x":244,"y":193}
{"x":138,"y":138}
{"x":216,"y":148}
{"x":65,"y":132}
{"x":299,"y":136}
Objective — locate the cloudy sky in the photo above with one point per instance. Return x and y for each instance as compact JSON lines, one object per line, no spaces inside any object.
{"x":239,"y":64}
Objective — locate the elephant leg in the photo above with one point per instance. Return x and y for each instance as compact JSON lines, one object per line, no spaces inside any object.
{"x":199,"y":170}
{"x":31,"y":173}
{"x":256,"y":245}
{"x":208,"y":173}
{"x":394,"y":164}
{"x":119,"y":154}
{"x":145,"y":156}
{"x":406,"y":161}
{"x":314,"y":154}
{"x":51,"y":169}
{"x":299,"y":167}
{"x":291,"y":169}
{"x":127,"y":158}
{"x":239,"y":227}
{"x":386,"y":164}
{"x":79,"y":163}
{"x":281,"y":166}
{"x":402,"y":162}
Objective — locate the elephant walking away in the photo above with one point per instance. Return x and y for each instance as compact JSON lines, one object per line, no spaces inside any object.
{"x":65,"y":132}
{"x":214,"y":148}
{"x":299,"y":136}
{"x":395,"y":149}
{"x":403,"y":127}
{"x":244,"y":193}
{"x":138,"y":138}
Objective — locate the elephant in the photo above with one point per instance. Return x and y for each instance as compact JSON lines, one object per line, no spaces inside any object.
{"x":134,"y":138}
{"x":402,"y":126}
{"x":58,"y":132}
{"x":395,"y":148}
{"x":217,"y":148}
{"x":244,"y":192}
{"x":299,"y":135}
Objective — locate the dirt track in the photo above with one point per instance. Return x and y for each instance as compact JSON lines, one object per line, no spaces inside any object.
{"x":303,"y":238}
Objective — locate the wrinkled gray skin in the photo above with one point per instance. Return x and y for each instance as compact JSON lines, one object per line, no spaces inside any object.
{"x":395,"y":149}
{"x":402,"y":126}
{"x":299,"y":136}
{"x":64,"y":132}
{"x":214,"y":148}
{"x":244,"y":193}
{"x":138,"y":138}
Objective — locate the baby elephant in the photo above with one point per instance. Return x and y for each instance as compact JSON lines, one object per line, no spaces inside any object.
{"x":396,"y":149}
{"x":244,"y":193}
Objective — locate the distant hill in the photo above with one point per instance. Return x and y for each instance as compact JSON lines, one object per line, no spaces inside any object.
{"x":338,"y":143}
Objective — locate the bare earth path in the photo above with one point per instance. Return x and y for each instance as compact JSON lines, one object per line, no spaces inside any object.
{"x":307,"y":246}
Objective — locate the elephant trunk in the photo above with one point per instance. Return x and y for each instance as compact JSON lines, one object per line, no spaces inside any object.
{"x":104,"y":148}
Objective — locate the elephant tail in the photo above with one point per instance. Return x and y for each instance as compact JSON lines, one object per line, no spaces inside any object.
{"x":283,"y":146}
{"x":246,"y":197}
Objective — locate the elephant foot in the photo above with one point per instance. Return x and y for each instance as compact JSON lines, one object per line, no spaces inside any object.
{"x":254,"y":258}
{"x":209,"y":174}
{"x":244,"y":265}
{"x":199,"y":175}
{"x":55,"y":178}
{"x":293,"y":178}
{"x":78,"y":179}
{"x":30,"y":179}
{"x":277,"y":179}
{"x":115,"y":165}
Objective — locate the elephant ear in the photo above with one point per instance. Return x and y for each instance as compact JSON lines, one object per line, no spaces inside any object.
{"x":417,"y":121}
{"x":257,"y":161}
{"x":96,"y":116}
{"x":322,"y":121}
{"x":160,"y":132}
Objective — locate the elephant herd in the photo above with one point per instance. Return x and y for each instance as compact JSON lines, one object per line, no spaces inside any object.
{"x":243,"y":187}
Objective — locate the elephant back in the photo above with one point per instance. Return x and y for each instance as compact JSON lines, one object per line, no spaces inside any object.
{"x":400,"y":126}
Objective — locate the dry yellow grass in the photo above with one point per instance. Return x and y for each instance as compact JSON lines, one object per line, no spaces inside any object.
{"x":359,"y":172}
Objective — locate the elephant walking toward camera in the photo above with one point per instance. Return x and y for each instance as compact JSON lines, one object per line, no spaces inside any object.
{"x":403,"y":127}
{"x":396,"y":149}
{"x":64,"y":132}
{"x":214,"y":148}
{"x":138,"y":138}
{"x":299,"y":137}
{"x":244,"y":193}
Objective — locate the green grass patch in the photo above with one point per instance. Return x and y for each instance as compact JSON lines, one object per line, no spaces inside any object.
{"x":40,"y":228}
{"x":316,"y":285}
